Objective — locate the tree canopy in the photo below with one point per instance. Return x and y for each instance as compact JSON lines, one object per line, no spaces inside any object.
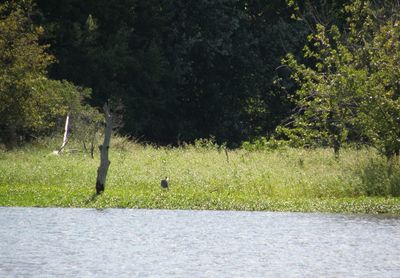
{"x":351,"y":90}
{"x":233,"y":70}
{"x":29,"y":100}
{"x":181,"y":69}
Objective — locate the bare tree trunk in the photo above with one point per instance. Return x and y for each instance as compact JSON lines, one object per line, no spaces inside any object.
{"x":227,"y":155}
{"x":65,"y":139}
{"x":336,"y":146}
{"x":104,"y":162}
{"x":92,"y":147}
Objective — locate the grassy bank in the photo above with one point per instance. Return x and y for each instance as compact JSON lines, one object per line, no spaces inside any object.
{"x":203,"y":178}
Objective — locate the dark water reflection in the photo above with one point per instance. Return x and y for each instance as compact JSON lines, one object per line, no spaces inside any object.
{"x":54,"y":242}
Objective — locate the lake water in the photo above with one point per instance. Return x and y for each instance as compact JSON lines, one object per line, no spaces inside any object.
{"x":56,"y":242}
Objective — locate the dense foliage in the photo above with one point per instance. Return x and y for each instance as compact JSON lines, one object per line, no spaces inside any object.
{"x":181,"y":70}
{"x":30,"y":102}
{"x":351,"y":90}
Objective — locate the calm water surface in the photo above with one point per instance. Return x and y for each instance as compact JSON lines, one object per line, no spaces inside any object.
{"x":53,"y":242}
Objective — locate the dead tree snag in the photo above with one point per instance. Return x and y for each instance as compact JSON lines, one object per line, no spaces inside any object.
{"x":104,"y":162}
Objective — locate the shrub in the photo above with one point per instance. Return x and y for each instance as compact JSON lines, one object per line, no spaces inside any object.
{"x":263,"y":143}
{"x":380,"y":177}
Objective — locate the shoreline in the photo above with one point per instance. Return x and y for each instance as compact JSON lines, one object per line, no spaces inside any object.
{"x":53,"y":197}
{"x":356,"y":214}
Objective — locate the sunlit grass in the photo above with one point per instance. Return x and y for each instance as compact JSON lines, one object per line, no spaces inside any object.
{"x":200,"y":178}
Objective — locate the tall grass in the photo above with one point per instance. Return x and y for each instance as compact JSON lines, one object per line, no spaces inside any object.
{"x":200,"y":177}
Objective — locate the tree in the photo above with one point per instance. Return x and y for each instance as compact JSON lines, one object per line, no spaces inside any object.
{"x":182,"y":69}
{"x":352,"y":83}
{"x":104,"y":162}
{"x":23,"y":63}
{"x":29,"y":100}
{"x":325,"y":100}
{"x":380,"y":107}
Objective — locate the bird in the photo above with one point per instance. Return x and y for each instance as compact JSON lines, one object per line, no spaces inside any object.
{"x":164,"y":183}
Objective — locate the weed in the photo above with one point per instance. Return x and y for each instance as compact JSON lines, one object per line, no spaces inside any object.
{"x":200,"y":178}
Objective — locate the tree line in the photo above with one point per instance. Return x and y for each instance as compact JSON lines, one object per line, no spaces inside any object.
{"x":308,"y":72}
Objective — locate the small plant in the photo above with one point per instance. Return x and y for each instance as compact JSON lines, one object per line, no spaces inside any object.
{"x":380,"y":177}
{"x":123,"y":143}
{"x":263,"y":143}
{"x":301,"y":162}
{"x":206,"y":144}
{"x":86,"y":127}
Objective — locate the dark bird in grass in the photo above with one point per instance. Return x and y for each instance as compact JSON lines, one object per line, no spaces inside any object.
{"x":164,"y":183}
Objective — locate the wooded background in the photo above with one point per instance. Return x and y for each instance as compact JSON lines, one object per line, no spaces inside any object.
{"x":180,"y":70}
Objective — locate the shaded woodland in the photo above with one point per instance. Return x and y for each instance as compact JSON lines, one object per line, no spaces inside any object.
{"x":176,"y":71}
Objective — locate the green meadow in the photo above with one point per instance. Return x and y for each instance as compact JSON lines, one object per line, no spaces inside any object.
{"x":203,"y":177}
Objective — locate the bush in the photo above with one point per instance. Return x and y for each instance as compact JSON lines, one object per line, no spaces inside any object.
{"x":206,"y":144}
{"x":380,"y":177}
{"x":263,"y":143}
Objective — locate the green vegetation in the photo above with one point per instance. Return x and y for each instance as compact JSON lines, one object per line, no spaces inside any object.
{"x":203,"y":176}
{"x":30,"y":102}
{"x":351,"y":90}
{"x":231,"y":70}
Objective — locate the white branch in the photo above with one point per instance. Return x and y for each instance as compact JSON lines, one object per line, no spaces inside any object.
{"x":65,"y":139}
